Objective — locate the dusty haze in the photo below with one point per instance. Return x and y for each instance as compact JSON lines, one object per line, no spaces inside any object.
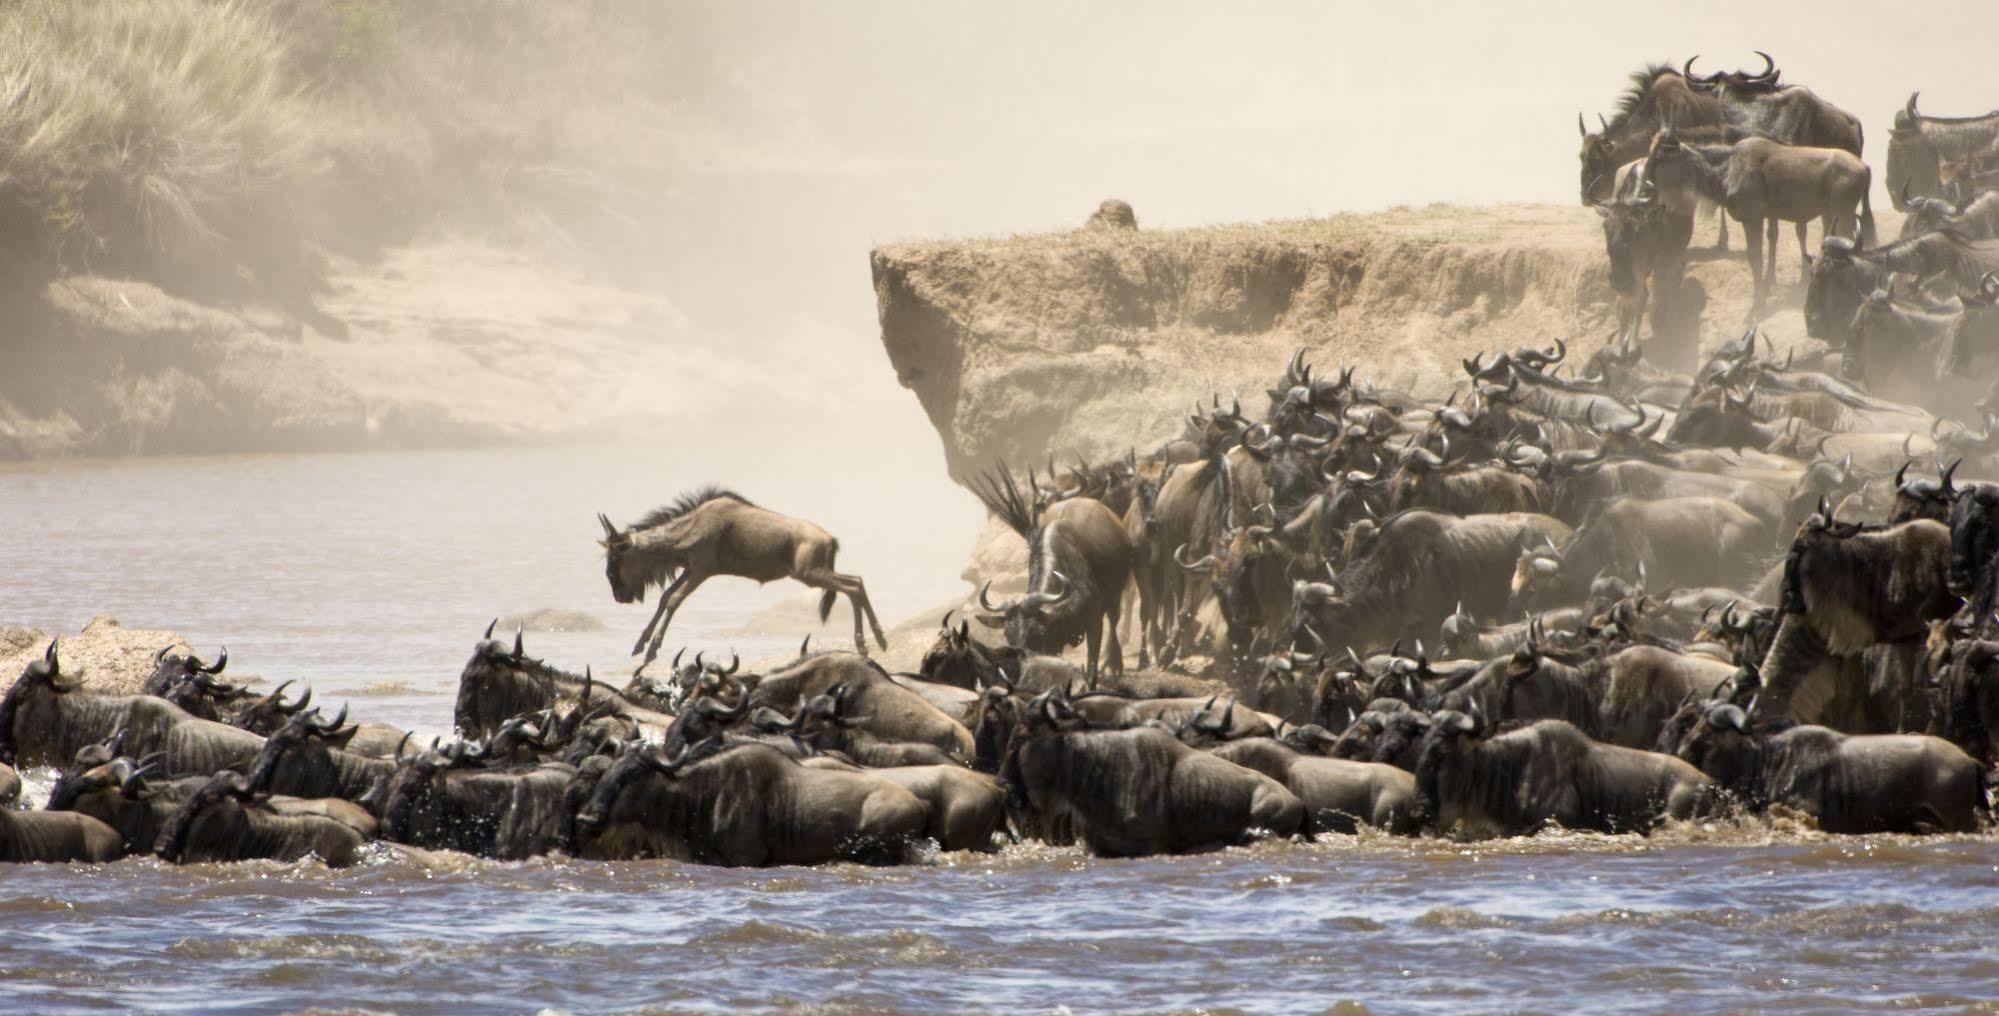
{"x":831,"y":129}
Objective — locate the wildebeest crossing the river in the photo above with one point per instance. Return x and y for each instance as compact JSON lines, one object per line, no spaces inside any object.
{"x":712,"y":532}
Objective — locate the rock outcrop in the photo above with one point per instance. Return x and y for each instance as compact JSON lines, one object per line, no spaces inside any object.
{"x":1091,"y":341}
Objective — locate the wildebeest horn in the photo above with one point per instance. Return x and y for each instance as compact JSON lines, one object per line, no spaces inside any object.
{"x":1060,"y":595}
{"x":1910,"y":107}
{"x":1769,"y":67}
{"x":1687,"y":71}
{"x":1944,"y":480}
{"x":610,"y":531}
{"x":1728,"y":716}
{"x":985,"y":601}
{"x":519,"y":633}
{"x":400,"y":745}
{"x":1580,"y":129}
{"x":1206,"y":563}
{"x":221,"y":661}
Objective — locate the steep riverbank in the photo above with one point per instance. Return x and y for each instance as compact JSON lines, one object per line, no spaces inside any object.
{"x":1096,"y":340}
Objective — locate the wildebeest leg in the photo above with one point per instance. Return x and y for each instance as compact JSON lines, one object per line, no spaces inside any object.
{"x":1116,"y":655}
{"x":1721,"y":241}
{"x":1805,"y":267}
{"x":658,"y":612}
{"x":1770,"y":226}
{"x":1752,"y":230}
{"x":851,"y":587}
{"x":1093,"y":640}
{"x":688,"y":582}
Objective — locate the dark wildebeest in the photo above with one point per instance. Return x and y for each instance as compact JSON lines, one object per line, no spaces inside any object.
{"x":1138,"y":791}
{"x":1879,"y":783}
{"x":712,"y":532}
{"x":1479,"y":784}
{"x":744,"y":805}
{"x":1079,"y":560}
{"x":55,"y":837}
{"x":1339,"y":795}
{"x":967,"y":809}
{"x":1755,"y":105}
{"x":828,"y":722}
{"x":46,"y":720}
{"x":1645,"y":241}
{"x":1762,"y":181}
{"x":499,"y":684}
{"x":1848,"y":587}
{"x":1918,"y":146}
{"x":1683,"y":541}
{"x":227,"y":821}
{"x":447,"y":800}
{"x":1843,"y":274}
{"x":884,"y":709}
{"x":1412,"y":574}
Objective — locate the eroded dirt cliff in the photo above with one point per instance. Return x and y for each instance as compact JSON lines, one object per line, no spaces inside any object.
{"x":1095,"y":340}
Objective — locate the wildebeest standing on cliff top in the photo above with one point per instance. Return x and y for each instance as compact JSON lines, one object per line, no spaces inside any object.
{"x":712,"y":532}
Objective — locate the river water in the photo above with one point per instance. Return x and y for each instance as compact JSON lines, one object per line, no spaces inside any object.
{"x":373,"y":574}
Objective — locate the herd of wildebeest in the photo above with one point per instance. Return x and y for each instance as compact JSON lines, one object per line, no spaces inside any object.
{"x":1602,"y":597}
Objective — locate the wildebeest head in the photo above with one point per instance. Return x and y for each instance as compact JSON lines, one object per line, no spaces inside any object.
{"x":499,"y":682}
{"x":1725,"y":747}
{"x":1000,"y":712}
{"x":609,"y":800}
{"x":1450,"y":735}
{"x":1026,"y":620}
{"x":1715,"y":418}
{"x":623,"y":566}
{"x":1626,"y":224}
{"x":1208,"y":725}
{"x":1537,"y":574}
{"x":171,"y":669}
{"x":1599,"y":160}
{"x":269,"y":712}
{"x":213,"y":814}
{"x":1838,"y":280}
{"x":1824,"y":478}
{"x":955,"y":658}
{"x":31,"y":704}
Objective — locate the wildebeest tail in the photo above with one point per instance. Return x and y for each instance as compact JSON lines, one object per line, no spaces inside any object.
{"x":1001,"y":494}
{"x":826,"y":604}
{"x":1866,"y":220}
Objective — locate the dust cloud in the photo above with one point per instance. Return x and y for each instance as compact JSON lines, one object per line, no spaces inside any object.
{"x":831,"y":128}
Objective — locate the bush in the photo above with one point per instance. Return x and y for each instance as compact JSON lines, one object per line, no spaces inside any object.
{"x":160,"y":138}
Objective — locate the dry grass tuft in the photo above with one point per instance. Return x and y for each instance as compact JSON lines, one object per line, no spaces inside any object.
{"x":150,"y":136}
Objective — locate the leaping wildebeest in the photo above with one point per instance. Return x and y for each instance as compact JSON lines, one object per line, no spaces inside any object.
{"x":712,"y":532}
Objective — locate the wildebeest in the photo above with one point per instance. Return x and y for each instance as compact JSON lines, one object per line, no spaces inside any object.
{"x":882,"y":708}
{"x":1849,"y":586}
{"x":1414,"y":571}
{"x":1762,"y":181}
{"x":712,"y":532}
{"x":744,"y":805}
{"x":1918,"y":145}
{"x":1684,"y":541}
{"x":967,"y":809}
{"x":1138,"y":791}
{"x":499,"y":683}
{"x":1756,"y":105}
{"x":1844,"y":273}
{"x":1477,"y":783}
{"x":1079,"y":559}
{"x":1848,"y":784}
{"x":1339,"y":795}
{"x":444,"y":800}
{"x":226,"y":821}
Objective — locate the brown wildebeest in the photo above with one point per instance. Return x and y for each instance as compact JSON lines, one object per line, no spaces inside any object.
{"x":712,"y":532}
{"x":1759,"y":181}
{"x":1659,"y":95}
{"x":1919,"y":146}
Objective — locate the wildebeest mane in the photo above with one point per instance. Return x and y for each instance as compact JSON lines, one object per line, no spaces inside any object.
{"x":1637,"y":99}
{"x":686,"y":503}
{"x":1001,"y":494}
